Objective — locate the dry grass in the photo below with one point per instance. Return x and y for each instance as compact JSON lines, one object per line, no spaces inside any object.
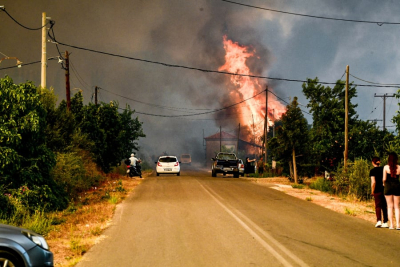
{"x":81,"y":225}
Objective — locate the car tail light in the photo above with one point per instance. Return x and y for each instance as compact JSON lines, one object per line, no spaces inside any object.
{"x":241,"y":165}
{"x":159,"y":164}
{"x":176,"y":164}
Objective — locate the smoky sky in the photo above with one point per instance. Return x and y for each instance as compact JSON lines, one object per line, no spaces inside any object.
{"x":190,"y":33}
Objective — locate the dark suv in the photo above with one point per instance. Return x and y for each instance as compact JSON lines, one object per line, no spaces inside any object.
{"x":23,"y":248}
{"x":226,"y":163}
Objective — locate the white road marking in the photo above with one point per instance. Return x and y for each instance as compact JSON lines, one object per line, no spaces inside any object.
{"x":264,"y":243}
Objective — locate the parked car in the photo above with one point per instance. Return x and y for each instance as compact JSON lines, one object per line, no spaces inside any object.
{"x":20,"y":247}
{"x":241,"y":168}
{"x":186,"y":159}
{"x":168,"y":165}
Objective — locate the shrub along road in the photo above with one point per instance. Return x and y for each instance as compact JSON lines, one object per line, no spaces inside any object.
{"x":197,"y":220}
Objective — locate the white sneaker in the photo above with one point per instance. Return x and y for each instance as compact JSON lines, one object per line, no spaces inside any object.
{"x":378,"y":224}
{"x":385,"y":225}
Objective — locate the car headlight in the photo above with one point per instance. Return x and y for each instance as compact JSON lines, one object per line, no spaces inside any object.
{"x":37,"y":239}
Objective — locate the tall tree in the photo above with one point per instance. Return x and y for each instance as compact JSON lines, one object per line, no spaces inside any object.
{"x":328,"y":111}
{"x":25,"y":159}
{"x":292,"y":137}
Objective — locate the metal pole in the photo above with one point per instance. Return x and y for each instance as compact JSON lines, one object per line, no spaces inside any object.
{"x":44,"y":51}
{"x":266,"y":126}
{"x":67,"y":85}
{"x":346,"y":119}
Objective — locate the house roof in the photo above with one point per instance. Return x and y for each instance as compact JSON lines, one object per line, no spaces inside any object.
{"x":222,"y":135}
{"x":227,"y":136}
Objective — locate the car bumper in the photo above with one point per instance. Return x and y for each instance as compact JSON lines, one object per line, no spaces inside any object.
{"x":168,"y":169}
{"x":228,"y":170}
{"x":40,"y":257}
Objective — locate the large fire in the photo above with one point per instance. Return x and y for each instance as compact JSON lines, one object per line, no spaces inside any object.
{"x":252,"y":111}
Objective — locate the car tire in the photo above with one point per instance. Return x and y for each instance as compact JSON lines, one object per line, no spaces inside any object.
{"x":213,"y":173}
{"x":236,"y":175}
{"x":158,"y":174}
{"x":13,"y":260}
{"x":178,"y":174}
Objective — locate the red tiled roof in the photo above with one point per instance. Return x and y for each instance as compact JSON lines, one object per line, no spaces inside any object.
{"x":224,"y":135}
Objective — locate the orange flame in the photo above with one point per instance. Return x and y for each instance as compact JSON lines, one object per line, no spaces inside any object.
{"x":246,"y":87}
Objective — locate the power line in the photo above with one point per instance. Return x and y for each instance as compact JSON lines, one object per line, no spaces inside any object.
{"x":393,"y":84}
{"x":192,"y":68}
{"x":149,"y":104}
{"x":28,"y":28}
{"x":201,"y":113}
{"x":379,"y":23}
{"x":25,"y":64}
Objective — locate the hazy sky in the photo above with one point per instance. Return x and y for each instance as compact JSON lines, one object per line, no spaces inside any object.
{"x":190,"y":33}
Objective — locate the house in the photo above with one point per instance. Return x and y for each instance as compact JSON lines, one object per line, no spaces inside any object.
{"x":215,"y":142}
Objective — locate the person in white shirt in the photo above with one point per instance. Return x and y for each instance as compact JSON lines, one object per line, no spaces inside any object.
{"x":133,"y":159}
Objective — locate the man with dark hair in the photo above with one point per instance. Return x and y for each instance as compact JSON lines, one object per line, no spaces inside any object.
{"x":376,"y":175}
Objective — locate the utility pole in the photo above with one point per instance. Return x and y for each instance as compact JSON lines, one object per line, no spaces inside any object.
{"x":384,"y":107}
{"x":266,"y":126}
{"x":44,"y":51}
{"x":67,"y":86}
{"x":273,"y":127}
{"x":346,"y":119}
{"x":95,"y":95}
{"x":237,"y":147}
{"x":220,"y":139}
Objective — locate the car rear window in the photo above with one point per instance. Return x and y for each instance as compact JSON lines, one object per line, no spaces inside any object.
{"x":226,"y":156}
{"x":167,"y":159}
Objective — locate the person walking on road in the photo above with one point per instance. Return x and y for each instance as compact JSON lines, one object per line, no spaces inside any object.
{"x":376,"y":175}
{"x":391,"y":182}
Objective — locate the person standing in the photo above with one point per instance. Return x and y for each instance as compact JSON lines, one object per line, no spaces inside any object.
{"x":260,"y":166}
{"x":391,"y":182}
{"x":377,"y":188}
{"x":247,"y":166}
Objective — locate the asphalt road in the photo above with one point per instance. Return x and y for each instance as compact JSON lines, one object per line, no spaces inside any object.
{"x":197,"y":220}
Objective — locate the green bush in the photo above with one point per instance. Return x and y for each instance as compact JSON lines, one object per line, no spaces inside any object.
{"x":355,"y":181}
{"x":323,"y":185}
{"x":75,"y":172}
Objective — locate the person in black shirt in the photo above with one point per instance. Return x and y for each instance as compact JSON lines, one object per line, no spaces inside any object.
{"x":376,"y":175}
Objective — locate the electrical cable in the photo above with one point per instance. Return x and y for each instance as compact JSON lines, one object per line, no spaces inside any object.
{"x":379,"y":23}
{"x":201,"y":113}
{"x":393,"y":84}
{"x":24,"y":64}
{"x":149,"y":104}
{"x":28,"y":28}
{"x":190,"y":68}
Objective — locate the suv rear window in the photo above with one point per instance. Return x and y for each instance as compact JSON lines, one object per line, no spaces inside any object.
{"x":167,"y":159}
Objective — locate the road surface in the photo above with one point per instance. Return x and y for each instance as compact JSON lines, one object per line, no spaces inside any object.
{"x":197,"y":220}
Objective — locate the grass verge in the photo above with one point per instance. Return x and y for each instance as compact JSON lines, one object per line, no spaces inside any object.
{"x":81,"y":225}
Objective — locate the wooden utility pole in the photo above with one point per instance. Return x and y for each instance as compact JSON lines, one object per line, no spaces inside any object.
{"x":67,"y":86}
{"x":346,"y":119}
{"x":266,"y":126}
{"x":44,"y":51}
{"x":237,"y":147}
{"x":95,"y":95}
{"x":384,"y":107}
{"x":220,"y":139}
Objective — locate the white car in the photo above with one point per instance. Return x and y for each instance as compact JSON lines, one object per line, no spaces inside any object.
{"x":241,"y":168}
{"x":168,"y":164}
